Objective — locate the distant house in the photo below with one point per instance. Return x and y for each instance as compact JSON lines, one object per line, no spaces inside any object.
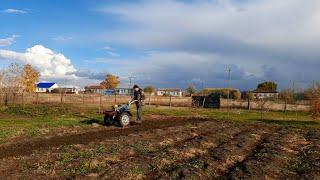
{"x":70,"y":89}
{"x":94,"y":89}
{"x":169,"y":92}
{"x":46,"y":87}
{"x":119,"y":91}
{"x":124,"y":91}
{"x":265,"y":94}
{"x":100,"y":90}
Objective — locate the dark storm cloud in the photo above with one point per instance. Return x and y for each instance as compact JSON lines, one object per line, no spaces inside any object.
{"x":199,"y":39}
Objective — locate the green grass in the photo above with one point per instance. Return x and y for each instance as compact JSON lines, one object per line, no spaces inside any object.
{"x":37,"y":120}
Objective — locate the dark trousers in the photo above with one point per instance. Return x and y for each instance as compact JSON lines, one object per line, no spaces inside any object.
{"x":139,"y":112}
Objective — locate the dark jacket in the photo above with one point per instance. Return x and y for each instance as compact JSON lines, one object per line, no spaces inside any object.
{"x":138,"y":95}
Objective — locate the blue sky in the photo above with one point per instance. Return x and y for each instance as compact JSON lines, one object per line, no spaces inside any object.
{"x":165,"y":43}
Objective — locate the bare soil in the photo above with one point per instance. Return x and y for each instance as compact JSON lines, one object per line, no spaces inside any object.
{"x":169,"y":148}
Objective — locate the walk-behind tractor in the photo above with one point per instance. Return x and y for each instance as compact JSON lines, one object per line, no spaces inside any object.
{"x":120,"y":115}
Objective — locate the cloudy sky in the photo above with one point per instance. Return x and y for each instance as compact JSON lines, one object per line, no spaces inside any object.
{"x":165,"y":43}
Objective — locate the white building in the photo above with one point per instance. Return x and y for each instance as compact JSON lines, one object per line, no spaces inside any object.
{"x":265,"y":94}
{"x":44,"y":87}
{"x":70,"y":89}
{"x":169,"y":92}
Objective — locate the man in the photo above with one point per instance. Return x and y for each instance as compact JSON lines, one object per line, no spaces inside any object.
{"x":138,"y":95}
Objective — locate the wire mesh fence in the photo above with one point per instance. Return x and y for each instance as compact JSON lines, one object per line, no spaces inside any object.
{"x":104,"y":101}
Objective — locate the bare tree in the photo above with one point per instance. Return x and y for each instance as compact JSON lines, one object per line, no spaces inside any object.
{"x":313,"y":94}
{"x":288,"y":97}
{"x":10,"y":81}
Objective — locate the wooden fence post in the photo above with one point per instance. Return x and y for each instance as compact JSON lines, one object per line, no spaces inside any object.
{"x":37,"y":98}
{"x":100,"y":106}
{"x":6,"y":99}
{"x":61,"y":97}
{"x":22,"y":99}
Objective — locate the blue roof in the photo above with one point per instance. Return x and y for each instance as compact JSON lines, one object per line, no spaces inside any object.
{"x":45,"y":85}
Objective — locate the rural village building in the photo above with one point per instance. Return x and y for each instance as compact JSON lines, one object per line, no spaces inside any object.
{"x":70,"y":89}
{"x":94,"y":89}
{"x":100,"y":90}
{"x":46,"y":87}
{"x":169,"y":92}
{"x":265,"y":94}
{"x":119,"y":91}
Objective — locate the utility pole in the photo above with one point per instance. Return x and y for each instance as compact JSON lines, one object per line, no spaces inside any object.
{"x":203,"y":95}
{"x":131,"y":81}
{"x":229,"y":78}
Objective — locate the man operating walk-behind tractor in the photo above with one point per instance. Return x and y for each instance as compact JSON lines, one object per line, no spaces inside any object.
{"x":120,"y":115}
{"x":138,"y":97}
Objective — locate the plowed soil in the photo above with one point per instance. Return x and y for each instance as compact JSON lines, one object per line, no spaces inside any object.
{"x":169,"y":148}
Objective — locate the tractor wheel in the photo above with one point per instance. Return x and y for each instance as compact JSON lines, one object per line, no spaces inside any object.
{"x":107,"y":120}
{"x":124,"y":119}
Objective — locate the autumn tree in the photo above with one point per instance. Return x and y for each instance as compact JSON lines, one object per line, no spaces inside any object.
{"x":191,"y":89}
{"x":267,"y":86}
{"x":149,"y":90}
{"x":29,"y":78}
{"x":313,"y":94}
{"x":111,"y":82}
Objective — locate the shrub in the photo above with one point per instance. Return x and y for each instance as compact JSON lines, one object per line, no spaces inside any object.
{"x":313,"y":95}
{"x":315,"y":108}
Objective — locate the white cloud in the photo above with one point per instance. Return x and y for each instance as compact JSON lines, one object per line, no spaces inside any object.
{"x":111,"y":51}
{"x":15,"y":11}
{"x":50,"y":64}
{"x":8,"y":41}
{"x":108,"y":48}
{"x":62,"y":38}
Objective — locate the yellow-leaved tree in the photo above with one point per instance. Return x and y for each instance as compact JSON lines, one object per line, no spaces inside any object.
{"x":30,"y":76}
{"x":111,"y":82}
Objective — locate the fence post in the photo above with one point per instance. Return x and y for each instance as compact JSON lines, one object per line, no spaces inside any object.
{"x":100,"y":106}
{"x":22,"y":99}
{"x":37,"y":98}
{"x":6,"y":99}
{"x":170,"y":104}
{"x":83,"y":98}
{"x":261,"y":109}
{"x":61,"y":97}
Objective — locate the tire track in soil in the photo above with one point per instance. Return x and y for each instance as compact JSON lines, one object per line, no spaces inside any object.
{"x":219,"y":159}
{"x":273,"y":158}
{"x":182,"y":146}
{"x":41,"y":144}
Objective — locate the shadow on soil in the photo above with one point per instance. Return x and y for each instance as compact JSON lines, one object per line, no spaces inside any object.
{"x":91,"y":121}
{"x":288,"y":122}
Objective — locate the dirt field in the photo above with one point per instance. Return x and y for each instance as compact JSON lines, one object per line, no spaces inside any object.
{"x":167,"y":147}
